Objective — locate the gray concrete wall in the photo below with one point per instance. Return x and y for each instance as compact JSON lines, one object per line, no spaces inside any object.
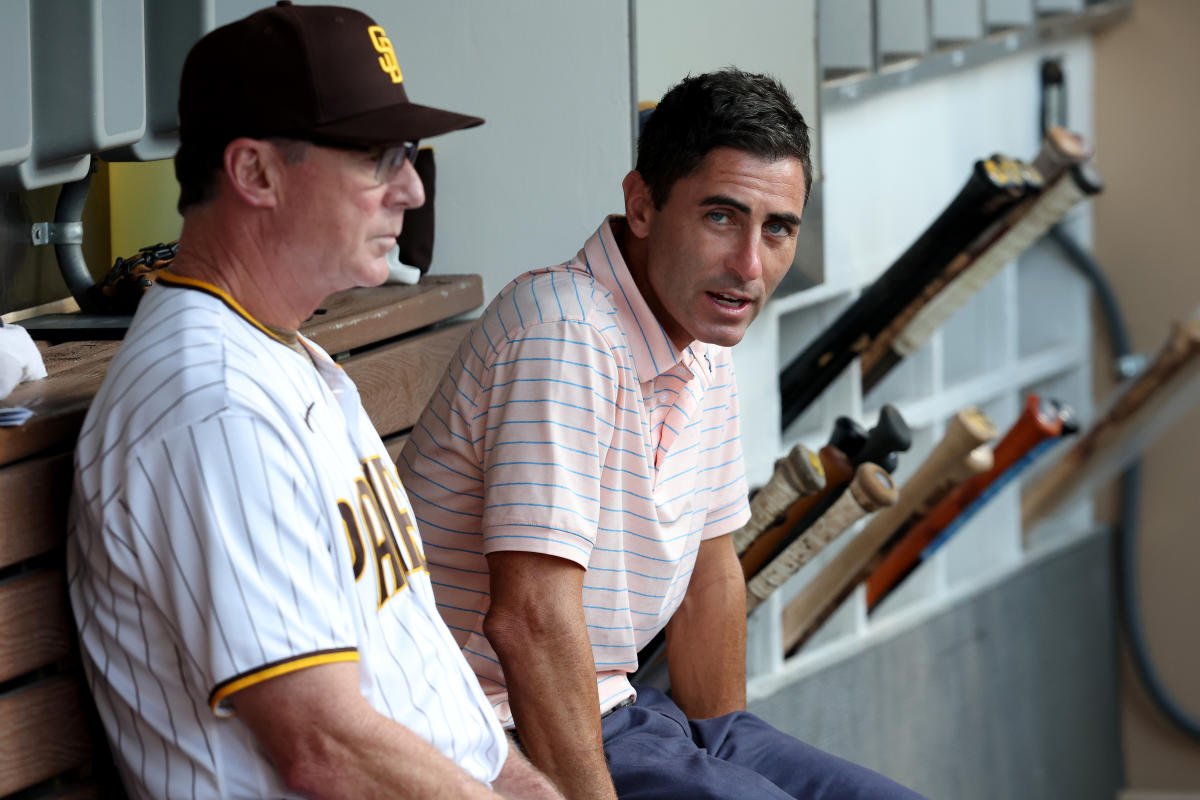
{"x":1008,"y":696}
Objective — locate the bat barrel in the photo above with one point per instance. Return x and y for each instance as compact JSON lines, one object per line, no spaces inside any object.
{"x":1039,"y":420}
{"x":838,"y":471}
{"x":986,"y":195}
{"x":872,"y":488}
{"x":965,"y":433}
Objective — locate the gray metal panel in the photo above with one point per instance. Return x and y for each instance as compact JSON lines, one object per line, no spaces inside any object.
{"x":16,"y":88}
{"x":171,"y":28}
{"x":1008,"y":13}
{"x":1011,"y":694}
{"x":88,"y":86}
{"x":956,"y":20}
{"x":121,"y":88}
{"x":903,"y":28}
{"x":1060,"y":6}
{"x":852,"y":89}
{"x":88,"y":57}
{"x":846,"y":36}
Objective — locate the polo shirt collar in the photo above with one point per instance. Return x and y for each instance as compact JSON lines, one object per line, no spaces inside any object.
{"x":652,"y":350}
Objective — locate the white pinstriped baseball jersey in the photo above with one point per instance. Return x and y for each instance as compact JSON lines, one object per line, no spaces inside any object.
{"x":235,"y":517}
{"x":568,"y":424}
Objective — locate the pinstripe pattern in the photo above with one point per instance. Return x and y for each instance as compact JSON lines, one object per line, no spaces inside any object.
{"x":209,"y":551}
{"x":568,"y":424}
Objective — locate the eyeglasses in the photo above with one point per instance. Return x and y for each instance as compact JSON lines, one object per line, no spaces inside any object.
{"x":388,"y":160}
{"x":391,"y":160}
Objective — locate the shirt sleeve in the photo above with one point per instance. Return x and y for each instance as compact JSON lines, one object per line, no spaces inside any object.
{"x":551,"y":409}
{"x":236,"y":548}
{"x":729,"y":505}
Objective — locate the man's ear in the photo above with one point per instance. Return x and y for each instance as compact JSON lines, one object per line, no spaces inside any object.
{"x":252,"y":168}
{"x":639,"y":206}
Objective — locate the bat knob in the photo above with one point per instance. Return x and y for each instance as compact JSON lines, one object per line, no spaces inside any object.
{"x":873,"y":488}
{"x":848,"y":436}
{"x":890,"y":435}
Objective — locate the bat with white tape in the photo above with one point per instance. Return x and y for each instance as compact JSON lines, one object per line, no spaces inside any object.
{"x":972,"y":269}
{"x":1149,"y":404}
{"x":942,"y":469}
{"x":990,"y":192}
{"x":797,"y":475}
{"x":890,"y":435}
{"x":838,"y":470}
{"x":871,"y":489}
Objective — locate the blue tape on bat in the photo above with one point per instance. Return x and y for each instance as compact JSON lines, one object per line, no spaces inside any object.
{"x":993,"y":489}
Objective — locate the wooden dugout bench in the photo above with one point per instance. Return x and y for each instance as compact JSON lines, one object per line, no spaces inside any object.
{"x":393,"y":341}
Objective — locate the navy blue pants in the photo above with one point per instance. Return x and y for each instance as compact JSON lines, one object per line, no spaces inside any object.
{"x":654,"y":751}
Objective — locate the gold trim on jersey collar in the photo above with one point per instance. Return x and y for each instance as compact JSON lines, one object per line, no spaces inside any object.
{"x":181,"y":282}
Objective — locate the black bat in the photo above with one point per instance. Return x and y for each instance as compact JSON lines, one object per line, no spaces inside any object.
{"x":891,"y":435}
{"x":992,"y":189}
{"x":967,"y":273}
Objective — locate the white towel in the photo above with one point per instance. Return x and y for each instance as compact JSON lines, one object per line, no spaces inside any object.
{"x":20,"y":360}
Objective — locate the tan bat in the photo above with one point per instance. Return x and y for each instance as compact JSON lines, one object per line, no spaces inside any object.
{"x":872,"y":488}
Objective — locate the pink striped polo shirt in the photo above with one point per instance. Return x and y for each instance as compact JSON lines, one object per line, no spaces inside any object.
{"x":568,"y":424}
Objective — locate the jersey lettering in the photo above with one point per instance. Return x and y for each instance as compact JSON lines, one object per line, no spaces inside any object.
{"x":378,"y":525}
{"x":387,"y":61}
{"x":387,"y":487}
{"x":350,"y":522}
{"x":383,"y":544}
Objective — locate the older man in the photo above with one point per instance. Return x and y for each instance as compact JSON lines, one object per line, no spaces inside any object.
{"x":579,"y":470}
{"x":255,"y":612}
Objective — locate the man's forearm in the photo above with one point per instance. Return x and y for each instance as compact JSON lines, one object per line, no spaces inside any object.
{"x":706,"y":638}
{"x":326,"y":741}
{"x":536,"y":626}
{"x":520,"y":780}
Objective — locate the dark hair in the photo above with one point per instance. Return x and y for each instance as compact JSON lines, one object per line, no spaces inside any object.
{"x":197,"y":167}
{"x":728,"y":108}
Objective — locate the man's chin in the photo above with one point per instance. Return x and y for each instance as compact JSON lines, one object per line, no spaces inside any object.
{"x":377,"y":273}
{"x":723,"y":337}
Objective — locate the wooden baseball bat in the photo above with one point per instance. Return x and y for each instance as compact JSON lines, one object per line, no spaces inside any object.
{"x":1039,"y":420}
{"x":798,"y":474}
{"x":800,"y":622}
{"x":890,"y":434}
{"x":988,"y":193}
{"x":1140,"y":412}
{"x":838,"y":471}
{"x":871,"y":489}
{"x":1070,"y":425}
{"x":1060,"y":149}
{"x":1079,"y":182}
{"x":965,"y":432}
{"x":972,"y":269}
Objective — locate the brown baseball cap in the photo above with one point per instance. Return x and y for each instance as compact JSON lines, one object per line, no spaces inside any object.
{"x":324,"y":73}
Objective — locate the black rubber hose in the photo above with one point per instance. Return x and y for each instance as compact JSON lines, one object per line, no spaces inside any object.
{"x":71,"y":262}
{"x":1125,"y":544}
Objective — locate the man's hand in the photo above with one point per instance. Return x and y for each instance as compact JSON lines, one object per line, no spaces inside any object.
{"x":536,"y":626}
{"x":706,"y":638}
{"x":327,"y":741}
{"x":521,"y":780}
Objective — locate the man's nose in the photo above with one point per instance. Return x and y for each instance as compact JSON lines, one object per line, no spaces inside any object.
{"x":747,"y":260}
{"x":405,"y":190}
